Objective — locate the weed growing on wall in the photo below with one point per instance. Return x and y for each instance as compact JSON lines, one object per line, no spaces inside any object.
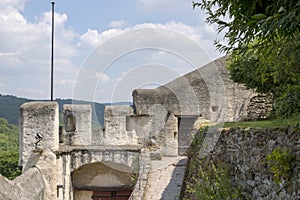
{"x":212,"y":182}
{"x":280,"y":161}
{"x":207,"y":179}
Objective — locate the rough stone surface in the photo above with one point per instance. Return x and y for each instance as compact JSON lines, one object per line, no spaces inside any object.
{"x":152,"y":125}
{"x":77,"y":124}
{"x":208,"y":91}
{"x":166,"y":178}
{"x":115,"y":126}
{"x":42,"y":118}
{"x":260,"y":106}
{"x":143,"y":174}
{"x":80,"y":166}
{"x":245,"y":151}
{"x":100,"y":175}
{"x":20,"y":188}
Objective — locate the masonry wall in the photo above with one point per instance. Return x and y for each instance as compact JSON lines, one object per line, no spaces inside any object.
{"x":40,"y":119}
{"x":29,"y":185}
{"x":100,"y":175}
{"x":77,"y":124}
{"x":244,"y":151}
{"x":115,"y":130}
{"x":207,"y":92}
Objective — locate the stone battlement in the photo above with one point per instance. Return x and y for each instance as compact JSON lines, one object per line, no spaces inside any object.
{"x":77,"y":162}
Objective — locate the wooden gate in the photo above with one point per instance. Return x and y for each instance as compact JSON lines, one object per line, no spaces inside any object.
{"x":185,"y":127}
{"x":111,"y":195}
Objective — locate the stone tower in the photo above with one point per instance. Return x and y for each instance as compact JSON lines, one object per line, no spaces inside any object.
{"x":39,"y":125}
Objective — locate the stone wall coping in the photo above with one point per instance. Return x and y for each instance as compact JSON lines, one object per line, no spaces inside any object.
{"x":38,"y":104}
{"x":141,"y":115}
{"x":80,"y":107}
{"x":65,"y":149}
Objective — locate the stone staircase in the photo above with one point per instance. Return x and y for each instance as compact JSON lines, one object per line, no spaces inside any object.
{"x":166,"y":178}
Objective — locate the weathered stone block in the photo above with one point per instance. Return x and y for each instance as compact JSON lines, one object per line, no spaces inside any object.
{"x":116,"y":130}
{"x":155,"y":155}
{"x":38,"y":118}
{"x":77,"y":124}
{"x":29,"y":186}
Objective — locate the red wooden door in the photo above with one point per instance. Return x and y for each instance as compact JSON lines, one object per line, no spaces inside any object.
{"x":111,"y":195}
{"x":101,"y":195}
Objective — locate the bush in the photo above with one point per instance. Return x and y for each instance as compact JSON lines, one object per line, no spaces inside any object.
{"x":9,"y":164}
{"x":280,"y":162}
{"x":288,"y":103}
{"x":211,"y":182}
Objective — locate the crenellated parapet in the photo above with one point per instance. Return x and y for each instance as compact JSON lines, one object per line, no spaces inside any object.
{"x":77,"y":124}
{"x":78,"y":160}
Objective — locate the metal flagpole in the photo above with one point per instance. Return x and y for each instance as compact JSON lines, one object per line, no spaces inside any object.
{"x":52,"y":50}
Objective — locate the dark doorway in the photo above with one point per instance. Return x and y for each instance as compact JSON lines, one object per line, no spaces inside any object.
{"x":185,"y":127}
{"x":111,"y":195}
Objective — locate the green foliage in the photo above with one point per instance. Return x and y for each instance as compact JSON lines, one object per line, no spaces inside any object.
{"x":212,"y":182}
{"x":271,"y":123}
{"x":268,"y":70}
{"x":278,"y":73}
{"x":264,"y":43}
{"x":9,"y":136}
{"x":9,"y":148}
{"x":246,"y":21}
{"x":9,"y":164}
{"x":289,"y":102}
{"x":9,"y":108}
{"x":205,"y":179}
{"x":280,"y":162}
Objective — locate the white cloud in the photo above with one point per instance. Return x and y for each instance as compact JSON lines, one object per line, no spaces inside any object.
{"x":25,"y":51}
{"x":16,"y":4}
{"x":172,"y":46}
{"x":103,"y":78}
{"x":65,"y":81}
{"x":166,"y":4}
{"x":118,"y":24}
{"x":6,"y":54}
{"x":90,"y":38}
{"x":32,"y":92}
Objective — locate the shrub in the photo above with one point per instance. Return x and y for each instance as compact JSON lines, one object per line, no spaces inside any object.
{"x":9,"y":164}
{"x":288,"y":103}
{"x":212,"y":182}
{"x":280,"y":162}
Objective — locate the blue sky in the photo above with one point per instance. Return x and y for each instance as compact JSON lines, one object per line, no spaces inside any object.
{"x":83,"y":27}
{"x":95,"y":14}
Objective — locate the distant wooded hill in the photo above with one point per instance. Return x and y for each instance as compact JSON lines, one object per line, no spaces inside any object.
{"x":9,"y":108}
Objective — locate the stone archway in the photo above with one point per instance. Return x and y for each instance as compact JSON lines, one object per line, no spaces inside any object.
{"x":102,"y":181}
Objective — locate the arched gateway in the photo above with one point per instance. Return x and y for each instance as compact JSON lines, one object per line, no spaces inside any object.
{"x":108,"y":181}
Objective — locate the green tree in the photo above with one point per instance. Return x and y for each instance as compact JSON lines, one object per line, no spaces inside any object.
{"x":253,"y":20}
{"x":9,"y":148}
{"x":9,"y":164}
{"x":9,"y":136}
{"x":263,"y":40}
{"x":267,"y":73}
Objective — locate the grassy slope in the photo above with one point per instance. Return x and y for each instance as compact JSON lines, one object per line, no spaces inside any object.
{"x":293,"y":121}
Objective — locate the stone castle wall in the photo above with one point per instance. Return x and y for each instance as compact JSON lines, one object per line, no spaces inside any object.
{"x":152,"y":123}
{"x":208,"y":92}
{"x":244,"y":151}
{"x":40,"y":119}
{"x":29,"y":185}
{"x":63,"y":161}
